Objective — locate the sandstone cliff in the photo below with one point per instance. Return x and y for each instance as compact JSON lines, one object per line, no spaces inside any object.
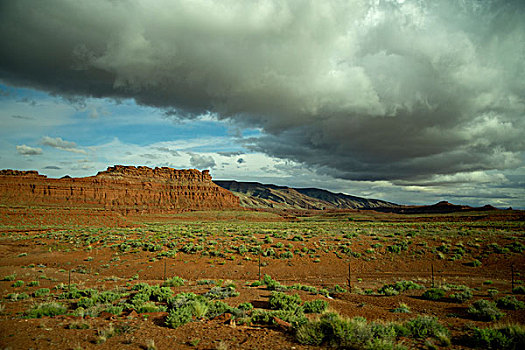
{"x":119,"y":188}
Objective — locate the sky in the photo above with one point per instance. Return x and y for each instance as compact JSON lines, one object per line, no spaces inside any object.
{"x":409,"y":101}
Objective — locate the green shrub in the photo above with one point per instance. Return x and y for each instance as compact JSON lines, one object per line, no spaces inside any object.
{"x":500,"y":337}
{"x":221,"y":292}
{"x":199,"y":308}
{"x":73,"y":293}
{"x":17,"y":296}
{"x":383,"y":344}
{"x":315,"y":306}
{"x":245,"y":306}
{"x":218,"y":308}
{"x":141,"y":297}
{"x":9,"y":277}
{"x":356,"y":333}
{"x":324,"y":292}
{"x":337,"y":289}
{"x":402,"y":308}
{"x":282,"y":301}
{"x":269,"y":252}
{"x":179,"y":317}
{"x":78,"y":325}
{"x":492,"y":292}
{"x":86,"y":302}
{"x":161,"y":294}
{"x":41,"y":292}
{"x":114,"y":309}
{"x":433,"y":294}
{"x":206,"y":282}
{"x":295,"y":317}
{"x":182,"y":299}
{"x":519,"y":290}
{"x":18,"y":284}
{"x":310,"y":333}
{"x":516,"y":247}
{"x":388,"y":291}
{"x":473,"y":263}
{"x":353,"y":333}
{"x":398,"y":287}
{"x":461,"y":297}
{"x":271,"y":284}
{"x":256,"y":283}
{"x":425,"y":326}
{"x":286,"y":255}
{"x":485,"y":310}
{"x":23,"y":296}
{"x":386,"y":331}
{"x":310,"y":289}
{"x":12,"y":296}
{"x":107,"y":297}
{"x":148,"y":306}
{"x":510,"y":302}
{"x":174,"y":282}
{"x":46,"y":309}
{"x":33,"y":284}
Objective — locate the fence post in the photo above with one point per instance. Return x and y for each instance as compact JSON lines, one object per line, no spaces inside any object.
{"x":349,"y":277}
{"x":432,"y":275}
{"x":259,"y":265}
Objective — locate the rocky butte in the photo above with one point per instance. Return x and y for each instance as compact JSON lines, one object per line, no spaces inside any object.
{"x":120,"y":188}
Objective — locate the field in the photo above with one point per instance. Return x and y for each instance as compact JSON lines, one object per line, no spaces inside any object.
{"x":79,"y":279}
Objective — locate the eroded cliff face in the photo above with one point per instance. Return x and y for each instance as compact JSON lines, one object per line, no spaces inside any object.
{"x":119,"y":188}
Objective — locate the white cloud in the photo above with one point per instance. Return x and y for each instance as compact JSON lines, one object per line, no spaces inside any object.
{"x":61,"y":144}
{"x":28,"y":151}
{"x":201,"y":161}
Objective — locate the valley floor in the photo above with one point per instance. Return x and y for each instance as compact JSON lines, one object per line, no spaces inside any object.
{"x":104,"y":273}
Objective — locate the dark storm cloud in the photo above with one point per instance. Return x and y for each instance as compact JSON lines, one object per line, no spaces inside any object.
{"x":52,"y":167}
{"x":394,"y":90}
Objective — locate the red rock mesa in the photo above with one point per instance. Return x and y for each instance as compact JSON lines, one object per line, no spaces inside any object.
{"x":120,"y":188}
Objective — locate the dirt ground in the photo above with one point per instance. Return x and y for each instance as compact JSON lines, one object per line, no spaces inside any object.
{"x":57,"y":248}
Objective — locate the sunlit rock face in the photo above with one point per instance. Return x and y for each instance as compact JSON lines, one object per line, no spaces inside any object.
{"x":120,"y":188}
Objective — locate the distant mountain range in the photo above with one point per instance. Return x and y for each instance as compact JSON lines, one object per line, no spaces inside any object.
{"x":257,"y":195}
{"x":266,"y":196}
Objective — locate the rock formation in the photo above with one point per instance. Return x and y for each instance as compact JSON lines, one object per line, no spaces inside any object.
{"x":120,"y":188}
